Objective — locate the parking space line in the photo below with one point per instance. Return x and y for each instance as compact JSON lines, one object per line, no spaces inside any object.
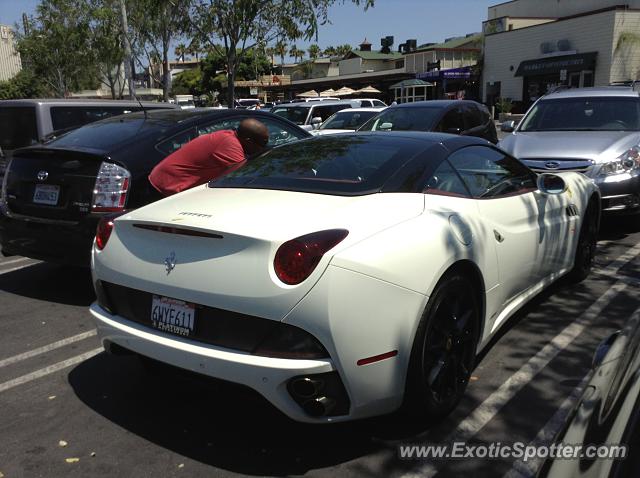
{"x":46,"y":348}
{"x":49,"y":370}
{"x":488,"y":409}
{"x":548,"y":433}
{"x":624,"y":258}
{"x":13,"y":261}
{"x":19,"y":267}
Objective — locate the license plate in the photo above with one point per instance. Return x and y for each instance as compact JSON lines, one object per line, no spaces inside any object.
{"x":46,"y":194}
{"x":172,"y":315}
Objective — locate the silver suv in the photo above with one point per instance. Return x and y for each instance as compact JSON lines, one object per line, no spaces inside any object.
{"x":595,"y":131}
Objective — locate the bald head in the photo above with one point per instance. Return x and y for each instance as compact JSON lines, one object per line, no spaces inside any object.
{"x":253,"y":135}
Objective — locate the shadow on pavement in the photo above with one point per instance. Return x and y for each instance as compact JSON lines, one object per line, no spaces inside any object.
{"x":218,"y":423}
{"x":52,"y":283}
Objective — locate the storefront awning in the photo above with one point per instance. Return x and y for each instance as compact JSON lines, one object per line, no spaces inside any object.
{"x":546,"y":66}
{"x":451,"y":74}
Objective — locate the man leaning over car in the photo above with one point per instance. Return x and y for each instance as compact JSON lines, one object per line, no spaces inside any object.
{"x":208,"y":156}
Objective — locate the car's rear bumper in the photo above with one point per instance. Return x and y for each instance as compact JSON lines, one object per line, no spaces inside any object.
{"x":61,"y":243}
{"x":268,"y":376}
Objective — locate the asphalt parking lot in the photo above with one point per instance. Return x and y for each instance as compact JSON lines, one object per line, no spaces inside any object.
{"x":68,"y":409}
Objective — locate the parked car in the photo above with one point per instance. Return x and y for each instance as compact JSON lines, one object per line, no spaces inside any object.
{"x":247,"y":103}
{"x":463,"y":117}
{"x":27,"y":122}
{"x":54,"y":194}
{"x":595,"y":131}
{"x":309,"y":115}
{"x":346,"y":121}
{"x":343,"y":276}
{"x":607,"y":413}
{"x":371,"y":103}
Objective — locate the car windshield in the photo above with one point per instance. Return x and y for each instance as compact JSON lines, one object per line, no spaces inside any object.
{"x":584,"y":114}
{"x":348,"y":119}
{"x":334,"y":164}
{"x":295,"y":114}
{"x":404,"y":119}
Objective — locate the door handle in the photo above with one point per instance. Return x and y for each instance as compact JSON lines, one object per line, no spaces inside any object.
{"x":499,"y":237}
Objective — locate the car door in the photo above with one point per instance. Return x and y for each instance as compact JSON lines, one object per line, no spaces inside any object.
{"x":505,"y":194}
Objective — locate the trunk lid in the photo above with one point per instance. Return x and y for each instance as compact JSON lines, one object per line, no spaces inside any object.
{"x":231,"y":268}
{"x":52,"y":184}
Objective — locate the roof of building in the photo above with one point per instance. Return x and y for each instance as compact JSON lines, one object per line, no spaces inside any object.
{"x":375,"y":55}
{"x":453,"y":42}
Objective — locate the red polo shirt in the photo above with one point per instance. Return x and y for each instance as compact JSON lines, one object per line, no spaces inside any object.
{"x":197,"y":162}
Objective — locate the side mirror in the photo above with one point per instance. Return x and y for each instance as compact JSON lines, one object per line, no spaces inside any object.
{"x":385,"y":126}
{"x":316,"y":121}
{"x":551,"y":183}
{"x":453,"y":130}
{"x":508,"y":126}
{"x":603,"y":349}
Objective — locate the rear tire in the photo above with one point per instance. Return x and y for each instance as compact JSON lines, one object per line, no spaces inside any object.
{"x":444,"y":350}
{"x":586,"y":248}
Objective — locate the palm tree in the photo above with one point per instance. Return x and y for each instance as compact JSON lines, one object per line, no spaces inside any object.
{"x":281,"y":50}
{"x":330,"y":51}
{"x":180,"y":51}
{"x":270,"y":52}
{"x":314,"y":51}
{"x":194,"y":48}
{"x":343,"y":50}
{"x":296,"y":53}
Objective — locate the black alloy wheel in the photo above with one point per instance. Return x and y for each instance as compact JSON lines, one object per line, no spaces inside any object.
{"x":444,"y":350}
{"x":586,"y":248}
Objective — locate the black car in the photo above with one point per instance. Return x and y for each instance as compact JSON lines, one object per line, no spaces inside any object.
{"x":463,"y":117}
{"x":54,"y":194}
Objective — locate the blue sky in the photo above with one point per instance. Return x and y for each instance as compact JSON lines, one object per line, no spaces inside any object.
{"x":424,"y":20}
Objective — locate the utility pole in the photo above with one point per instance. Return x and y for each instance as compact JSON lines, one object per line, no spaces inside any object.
{"x":127,"y":51}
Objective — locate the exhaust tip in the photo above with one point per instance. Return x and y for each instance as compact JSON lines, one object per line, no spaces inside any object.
{"x":306,"y":387}
{"x":318,"y":407}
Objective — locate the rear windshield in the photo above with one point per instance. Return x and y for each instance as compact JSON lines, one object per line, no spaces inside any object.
{"x":103,"y":135}
{"x":404,"y":119}
{"x":584,"y":114}
{"x":18,"y":127}
{"x":295,"y":114}
{"x":335,"y":164}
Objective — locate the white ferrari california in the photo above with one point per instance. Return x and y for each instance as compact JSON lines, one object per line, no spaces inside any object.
{"x":343,"y":276}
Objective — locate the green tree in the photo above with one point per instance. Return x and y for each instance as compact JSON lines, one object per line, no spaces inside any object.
{"x":240,"y":24}
{"x":157,"y":23}
{"x":314,"y":51}
{"x":25,"y":84}
{"x":343,"y":50}
{"x":296,"y":53}
{"x":281,"y":50}
{"x":56,"y":46}
{"x":188,"y":82}
{"x":180,"y":51}
{"x":194,"y":48}
{"x":330,"y":51}
{"x":106,"y":41}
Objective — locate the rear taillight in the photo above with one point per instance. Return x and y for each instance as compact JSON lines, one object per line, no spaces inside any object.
{"x":103,"y":231}
{"x":296,"y":259}
{"x":111,"y":188}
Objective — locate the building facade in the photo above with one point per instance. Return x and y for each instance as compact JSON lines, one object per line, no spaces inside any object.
{"x":579,"y":48}
{"x":9,"y":58}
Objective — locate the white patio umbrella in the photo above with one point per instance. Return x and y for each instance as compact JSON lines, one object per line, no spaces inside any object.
{"x":344,"y":91}
{"x":369,"y":90}
{"x":329,"y":92}
{"x":308,"y":94}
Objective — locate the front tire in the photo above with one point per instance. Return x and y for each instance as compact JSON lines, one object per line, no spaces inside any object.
{"x":586,"y":248}
{"x":444,"y":350}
